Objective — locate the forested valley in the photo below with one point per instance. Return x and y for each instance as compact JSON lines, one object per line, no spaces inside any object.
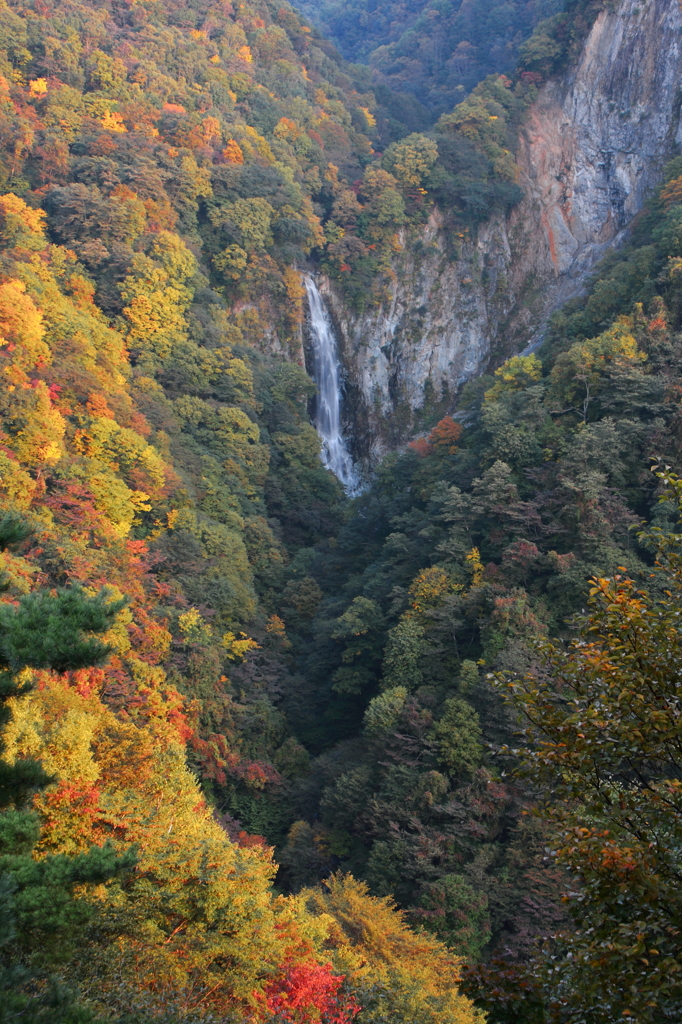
{"x":269,"y":753}
{"x":435,"y":52}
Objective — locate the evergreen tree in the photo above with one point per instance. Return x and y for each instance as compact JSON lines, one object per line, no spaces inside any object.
{"x":40,"y":917}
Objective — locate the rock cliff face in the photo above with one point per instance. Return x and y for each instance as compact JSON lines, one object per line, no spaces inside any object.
{"x":592,"y":148}
{"x":595,"y":143}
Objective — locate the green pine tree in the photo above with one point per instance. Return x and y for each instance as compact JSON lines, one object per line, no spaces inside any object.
{"x":39,"y":917}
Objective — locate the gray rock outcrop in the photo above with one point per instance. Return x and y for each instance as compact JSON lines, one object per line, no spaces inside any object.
{"x":592,"y":148}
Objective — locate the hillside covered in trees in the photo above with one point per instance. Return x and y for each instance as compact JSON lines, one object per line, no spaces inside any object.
{"x":256,"y":763}
{"x":438,"y":51}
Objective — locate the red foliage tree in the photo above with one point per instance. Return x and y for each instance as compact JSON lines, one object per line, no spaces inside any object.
{"x":421,"y":446}
{"x":442,"y":439}
{"x":445,"y":435}
{"x":308,"y":993}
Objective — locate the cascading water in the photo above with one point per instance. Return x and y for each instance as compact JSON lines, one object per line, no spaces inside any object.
{"x":334,"y":454}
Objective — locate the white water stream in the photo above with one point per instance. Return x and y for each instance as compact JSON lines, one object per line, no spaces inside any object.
{"x":326,"y":374}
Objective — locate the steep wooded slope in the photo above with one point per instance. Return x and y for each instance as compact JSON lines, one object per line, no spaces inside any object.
{"x":152,"y":444}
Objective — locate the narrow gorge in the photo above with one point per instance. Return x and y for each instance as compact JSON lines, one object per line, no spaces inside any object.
{"x":340,"y":512}
{"x":590,"y":151}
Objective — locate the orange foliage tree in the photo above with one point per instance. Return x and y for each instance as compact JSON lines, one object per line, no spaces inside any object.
{"x":441,"y":441}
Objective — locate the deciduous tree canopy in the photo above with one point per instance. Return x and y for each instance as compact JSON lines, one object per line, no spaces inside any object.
{"x":252,"y":762}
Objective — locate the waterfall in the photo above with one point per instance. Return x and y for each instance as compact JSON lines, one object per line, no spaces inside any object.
{"x":334,"y":454}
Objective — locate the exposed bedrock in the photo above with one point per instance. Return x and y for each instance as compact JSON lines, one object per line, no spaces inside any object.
{"x":592,"y":148}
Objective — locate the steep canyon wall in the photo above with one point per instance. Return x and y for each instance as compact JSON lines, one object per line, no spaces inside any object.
{"x":592,"y":148}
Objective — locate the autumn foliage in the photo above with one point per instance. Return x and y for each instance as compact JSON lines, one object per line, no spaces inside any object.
{"x":603,"y":740}
{"x":308,"y":993}
{"x":442,"y":440}
{"x":158,"y":455}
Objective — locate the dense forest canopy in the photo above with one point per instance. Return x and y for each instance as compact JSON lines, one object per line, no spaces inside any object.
{"x":256,"y":763}
{"x":438,"y":51}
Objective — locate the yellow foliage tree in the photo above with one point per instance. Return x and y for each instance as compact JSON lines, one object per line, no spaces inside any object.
{"x":239,"y":437}
{"x":157,"y":296}
{"x":578,"y":375}
{"x":121,"y":449}
{"x":119,"y":503}
{"x":39,"y":441}
{"x":396,"y":973}
{"x":22,"y":333}
{"x":197,"y":920}
{"x":516,"y":373}
{"x":21,"y":225}
{"x":411,"y":159}
{"x":429,"y":589}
